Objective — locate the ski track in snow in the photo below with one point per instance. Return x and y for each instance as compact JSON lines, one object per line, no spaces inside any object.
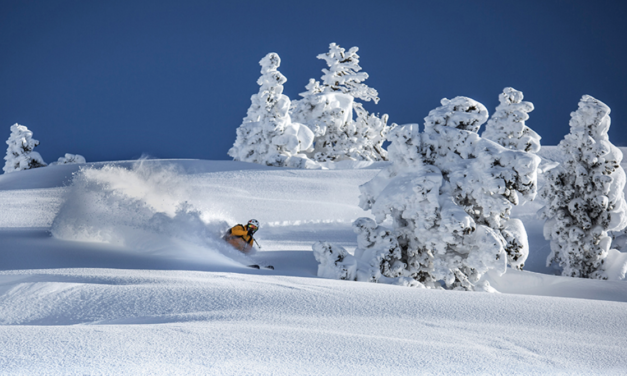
{"x":161,"y":299}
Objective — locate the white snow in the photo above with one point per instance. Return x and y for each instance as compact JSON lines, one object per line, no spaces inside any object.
{"x":163,"y":296}
{"x":69,"y":159}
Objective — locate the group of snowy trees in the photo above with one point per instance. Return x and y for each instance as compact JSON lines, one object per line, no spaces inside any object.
{"x":318,"y":128}
{"x":449,"y":195}
{"x":447,"y":192}
{"x":20,"y":155}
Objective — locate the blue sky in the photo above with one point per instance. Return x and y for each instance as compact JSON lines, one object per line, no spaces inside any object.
{"x":113,"y":80}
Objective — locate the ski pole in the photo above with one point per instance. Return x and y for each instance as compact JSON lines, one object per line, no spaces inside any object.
{"x":255,"y":240}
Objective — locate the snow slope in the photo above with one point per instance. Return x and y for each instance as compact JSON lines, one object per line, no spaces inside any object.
{"x":137,"y":282}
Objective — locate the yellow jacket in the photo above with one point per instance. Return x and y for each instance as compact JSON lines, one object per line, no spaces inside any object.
{"x":239,"y":238}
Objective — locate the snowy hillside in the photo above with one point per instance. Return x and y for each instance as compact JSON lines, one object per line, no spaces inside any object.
{"x":136,"y":281}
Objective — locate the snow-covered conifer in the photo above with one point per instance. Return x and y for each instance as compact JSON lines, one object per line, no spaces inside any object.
{"x":584,"y":194}
{"x":486,"y":179}
{"x":70,"y":159}
{"x":335,"y":261}
{"x":344,"y":74}
{"x":370,"y":133}
{"x":327,"y":109}
{"x":329,"y":117}
{"x":449,"y":194}
{"x":20,"y":154}
{"x":267,"y":134}
{"x":507,"y":125}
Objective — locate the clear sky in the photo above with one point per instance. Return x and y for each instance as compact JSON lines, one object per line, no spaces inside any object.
{"x":114,"y":80}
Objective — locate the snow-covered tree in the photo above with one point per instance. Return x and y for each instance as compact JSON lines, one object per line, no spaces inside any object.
{"x":507,"y":125}
{"x":584,"y":194}
{"x":449,"y":194}
{"x":267,"y":134}
{"x":327,"y":109}
{"x":335,"y":261}
{"x":20,"y":154}
{"x":69,"y":159}
{"x":344,"y":74}
{"x":329,"y":117}
{"x":370,"y":133}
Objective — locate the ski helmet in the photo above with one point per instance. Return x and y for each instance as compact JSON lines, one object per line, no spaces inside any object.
{"x":253,"y":224}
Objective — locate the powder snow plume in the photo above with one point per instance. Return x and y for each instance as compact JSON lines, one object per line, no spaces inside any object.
{"x":146,"y":208}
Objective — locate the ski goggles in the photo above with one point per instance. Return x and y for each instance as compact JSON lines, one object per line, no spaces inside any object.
{"x":253,"y":228}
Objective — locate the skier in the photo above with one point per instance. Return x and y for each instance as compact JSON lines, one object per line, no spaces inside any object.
{"x":241,"y":237}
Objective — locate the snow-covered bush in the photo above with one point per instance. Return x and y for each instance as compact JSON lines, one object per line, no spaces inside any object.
{"x":335,"y":261}
{"x":449,"y":194}
{"x":69,"y":159}
{"x":267,"y":134}
{"x":327,"y":109}
{"x":507,"y":125}
{"x":20,"y":154}
{"x":584,"y":194}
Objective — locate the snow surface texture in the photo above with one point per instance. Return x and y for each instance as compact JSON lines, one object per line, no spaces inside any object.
{"x":449,"y":195}
{"x":20,"y":155}
{"x":179,"y":307}
{"x":507,"y":125}
{"x":267,"y":135}
{"x":584,"y":197}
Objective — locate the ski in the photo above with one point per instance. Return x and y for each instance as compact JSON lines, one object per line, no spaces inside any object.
{"x":255,"y":266}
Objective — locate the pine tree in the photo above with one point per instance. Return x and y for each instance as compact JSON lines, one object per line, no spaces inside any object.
{"x":371,"y":131}
{"x":584,"y":195}
{"x":267,"y":134}
{"x":507,"y":125}
{"x":328,"y":109}
{"x":344,"y":74}
{"x":20,"y":155}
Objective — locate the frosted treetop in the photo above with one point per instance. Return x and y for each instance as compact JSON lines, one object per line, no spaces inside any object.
{"x":507,"y":125}
{"x":460,"y":112}
{"x":592,"y":117}
{"x":270,"y":62}
{"x":344,"y":73}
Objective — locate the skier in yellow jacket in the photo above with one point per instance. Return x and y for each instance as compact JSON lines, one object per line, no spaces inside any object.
{"x":241,"y":237}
